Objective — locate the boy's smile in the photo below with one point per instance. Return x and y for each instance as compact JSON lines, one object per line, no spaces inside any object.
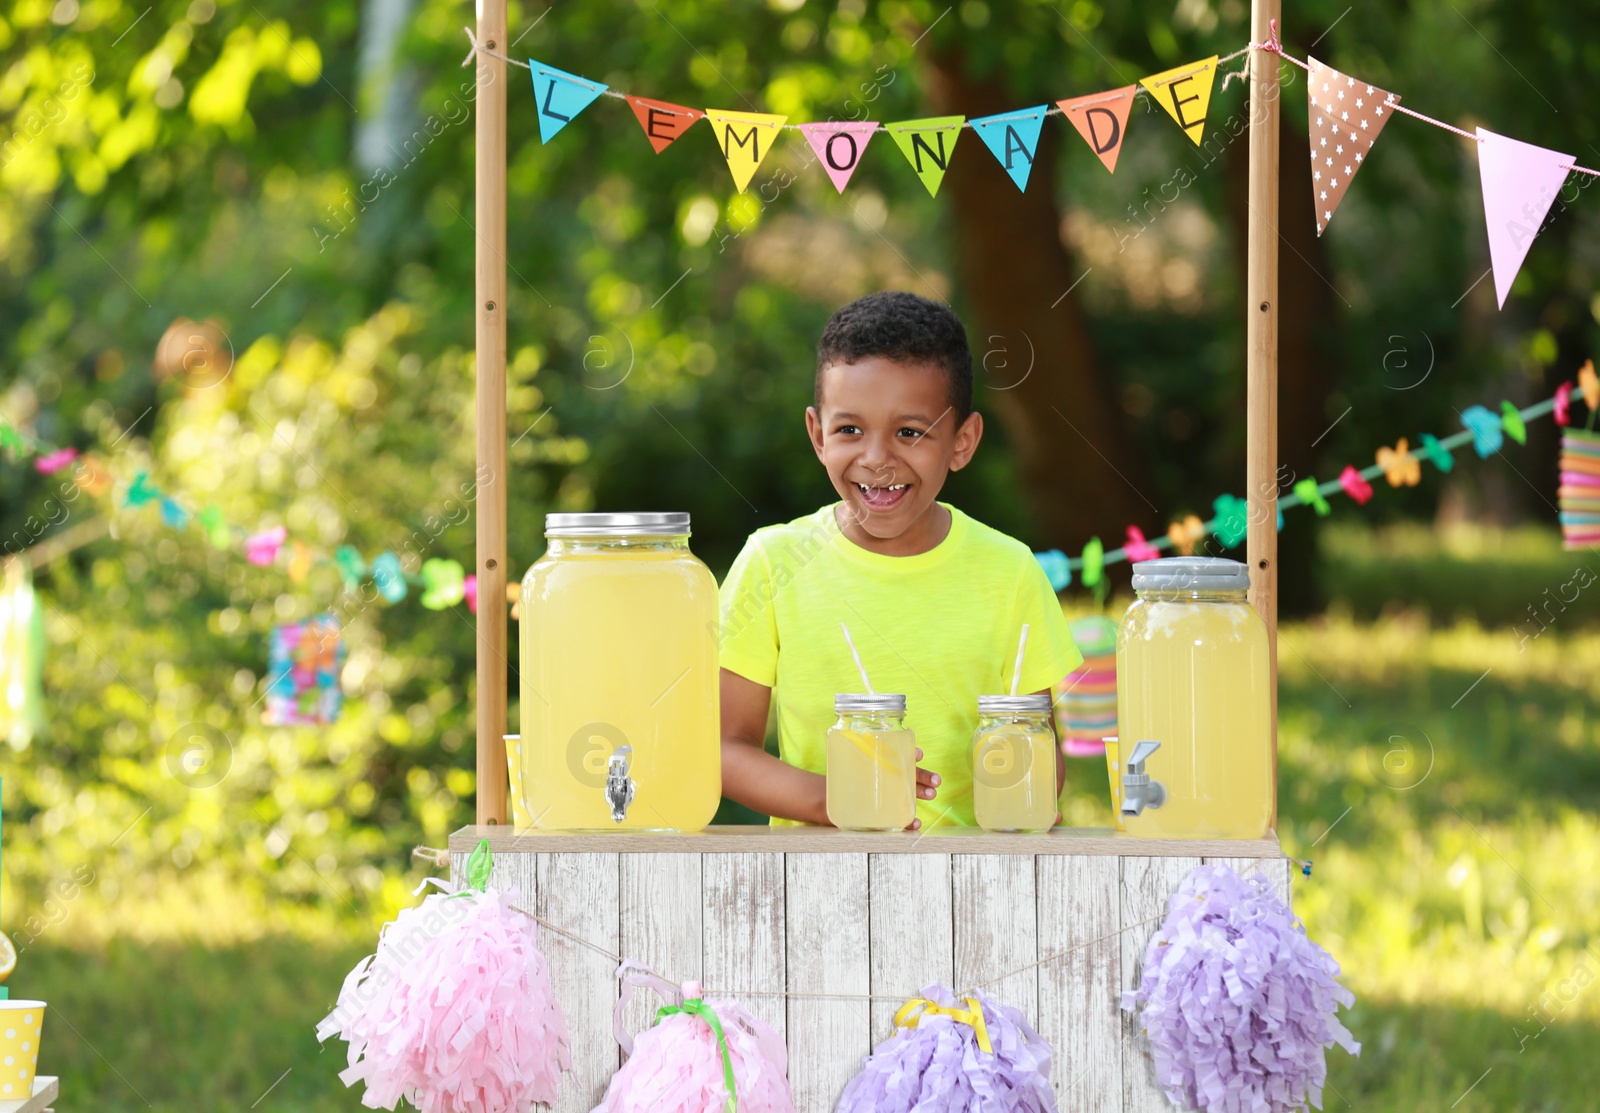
{"x":888,"y":437}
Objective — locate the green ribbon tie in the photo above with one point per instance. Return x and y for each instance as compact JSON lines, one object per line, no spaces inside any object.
{"x":478,"y":866}
{"x":696,"y":1007}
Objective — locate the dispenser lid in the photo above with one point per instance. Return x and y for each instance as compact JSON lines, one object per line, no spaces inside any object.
{"x":615,"y":525}
{"x":1191,"y":574}
{"x":849,"y":701}
{"x":1013,"y":705}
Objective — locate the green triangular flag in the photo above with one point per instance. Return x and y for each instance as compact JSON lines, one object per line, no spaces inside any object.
{"x":928,"y":145}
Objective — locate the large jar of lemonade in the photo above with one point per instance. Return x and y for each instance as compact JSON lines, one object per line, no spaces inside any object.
{"x":872,"y":765}
{"x":1014,"y":764}
{"x":618,"y":677}
{"x":1193,"y":676}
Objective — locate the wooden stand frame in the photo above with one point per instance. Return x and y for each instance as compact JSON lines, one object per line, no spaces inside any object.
{"x":1261,"y":472}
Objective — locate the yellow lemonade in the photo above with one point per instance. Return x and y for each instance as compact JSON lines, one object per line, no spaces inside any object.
{"x":872,"y":777}
{"x":619,"y":683}
{"x":1014,"y":779}
{"x":1193,"y":674}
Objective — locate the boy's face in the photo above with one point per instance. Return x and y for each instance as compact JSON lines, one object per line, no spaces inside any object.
{"x":888,"y":437}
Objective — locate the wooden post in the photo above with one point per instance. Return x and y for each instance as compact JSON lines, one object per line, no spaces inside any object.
{"x":490,"y":254}
{"x":1261,"y":338}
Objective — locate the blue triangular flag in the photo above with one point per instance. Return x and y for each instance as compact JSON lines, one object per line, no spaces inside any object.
{"x":561,"y":96}
{"x":1013,"y":137}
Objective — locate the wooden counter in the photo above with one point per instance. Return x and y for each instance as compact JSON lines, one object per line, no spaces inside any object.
{"x":754,"y":912}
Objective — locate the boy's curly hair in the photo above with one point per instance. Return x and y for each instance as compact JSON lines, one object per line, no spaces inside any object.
{"x":905,"y":328}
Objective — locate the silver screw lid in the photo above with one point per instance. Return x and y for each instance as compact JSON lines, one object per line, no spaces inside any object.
{"x":616,"y":525}
{"x":851,"y":701}
{"x":1191,"y":574}
{"x":1013,"y":705}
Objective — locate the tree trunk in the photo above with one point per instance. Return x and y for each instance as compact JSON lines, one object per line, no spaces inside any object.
{"x":1033,"y":352}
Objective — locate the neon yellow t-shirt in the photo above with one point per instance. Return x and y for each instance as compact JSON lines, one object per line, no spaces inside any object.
{"x":940,"y":627}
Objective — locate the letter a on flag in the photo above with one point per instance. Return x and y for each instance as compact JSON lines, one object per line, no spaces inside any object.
{"x":560,"y":96}
{"x":745,"y":139}
{"x":1013,"y":137}
{"x":662,"y":121}
{"x":840,"y":147}
{"x":1102,"y":120}
{"x":1185,"y":93}
{"x":1520,"y":182}
{"x":928,"y":145}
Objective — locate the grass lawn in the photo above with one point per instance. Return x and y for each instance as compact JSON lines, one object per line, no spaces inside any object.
{"x":1444,"y":777}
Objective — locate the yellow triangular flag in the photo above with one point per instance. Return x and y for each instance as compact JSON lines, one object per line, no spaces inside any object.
{"x":1185,"y":92}
{"x":745,"y":138}
{"x":928,"y":145}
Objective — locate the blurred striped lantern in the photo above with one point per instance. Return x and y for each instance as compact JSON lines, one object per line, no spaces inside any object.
{"x":1579,"y":493}
{"x":1086,"y":711}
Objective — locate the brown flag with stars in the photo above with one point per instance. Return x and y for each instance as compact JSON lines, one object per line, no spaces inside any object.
{"x":1346,"y":117}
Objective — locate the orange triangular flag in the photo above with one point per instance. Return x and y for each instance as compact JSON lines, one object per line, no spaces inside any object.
{"x":1102,"y":120}
{"x":662,"y":120}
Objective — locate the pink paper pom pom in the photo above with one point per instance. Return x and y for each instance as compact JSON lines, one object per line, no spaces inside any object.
{"x":454,"y":1012}
{"x":1240,"y":1007}
{"x":676,"y":1066}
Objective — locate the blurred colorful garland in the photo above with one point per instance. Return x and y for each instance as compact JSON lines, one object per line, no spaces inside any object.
{"x":1400,"y":465}
{"x":444,"y":582}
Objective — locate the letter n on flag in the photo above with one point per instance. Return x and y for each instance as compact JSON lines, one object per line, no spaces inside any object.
{"x":745,"y":138}
{"x":1520,"y":182}
{"x":1102,"y":120}
{"x":662,"y":121}
{"x":840,"y":147}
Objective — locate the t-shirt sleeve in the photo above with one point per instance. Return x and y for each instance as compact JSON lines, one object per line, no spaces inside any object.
{"x":1051,"y":651}
{"x":749,"y":629}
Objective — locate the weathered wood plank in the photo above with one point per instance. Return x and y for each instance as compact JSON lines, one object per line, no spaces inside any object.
{"x":743,"y":913}
{"x":579,"y":893}
{"x":829,"y":840}
{"x":660,"y":924}
{"x":992,"y":897}
{"x":1147,"y":883}
{"x":827,"y":953}
{"x":1080,"y":992}
{"x":913,"y":938}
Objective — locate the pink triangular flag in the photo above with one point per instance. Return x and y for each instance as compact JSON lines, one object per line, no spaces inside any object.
{"x":839,"y":146}
{"x":1520,"y":182}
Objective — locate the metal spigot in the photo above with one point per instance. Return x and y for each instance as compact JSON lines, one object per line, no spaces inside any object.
{"x":1138,"y":790}
{"x":619,"y":786}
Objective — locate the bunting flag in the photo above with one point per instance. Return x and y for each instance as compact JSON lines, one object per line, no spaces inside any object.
{"x":662,"y":120}
{"x":1102,"y":120}
{"x":840,"y":147}
{"x":1346,"y":117}
{"x":928,"y":144}
{"x":744,"y":138}
{"x":1013,"y":137}
{"x":1520,"y":182}
{"x":1185,"y":93}
{"x":560,"y":96}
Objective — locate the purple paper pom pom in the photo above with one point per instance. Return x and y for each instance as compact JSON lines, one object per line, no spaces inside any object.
{"x":938,"y":1067}
{"x":1238,"y":1004}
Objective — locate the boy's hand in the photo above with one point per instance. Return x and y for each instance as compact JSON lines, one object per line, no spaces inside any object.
{"x":927,"y":788}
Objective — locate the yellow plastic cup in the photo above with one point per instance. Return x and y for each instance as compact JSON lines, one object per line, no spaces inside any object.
{"x":21,"y":1023}
{"x":519,"y":805}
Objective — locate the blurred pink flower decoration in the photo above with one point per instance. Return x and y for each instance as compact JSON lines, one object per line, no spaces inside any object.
{"x":52,"y":462}
{"x":261,"y":549}
{"x":469,"y":588}
{"x":1137,"y":547}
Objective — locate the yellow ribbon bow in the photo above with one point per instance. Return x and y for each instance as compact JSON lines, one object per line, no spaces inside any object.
{"x":1399,"y":466}
{"x":919,"y":1007}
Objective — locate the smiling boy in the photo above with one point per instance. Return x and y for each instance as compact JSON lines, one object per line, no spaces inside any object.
{"x":935,"y":600}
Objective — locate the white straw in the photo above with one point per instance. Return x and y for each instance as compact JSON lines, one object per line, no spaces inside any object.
{"x":857,"y":656}
{"x":1016,"y":673}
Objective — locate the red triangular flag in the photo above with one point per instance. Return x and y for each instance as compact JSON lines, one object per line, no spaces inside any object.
{"x":1346,"y":117}
{"x":1102,"y":120}
{"x":662,"y":120}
